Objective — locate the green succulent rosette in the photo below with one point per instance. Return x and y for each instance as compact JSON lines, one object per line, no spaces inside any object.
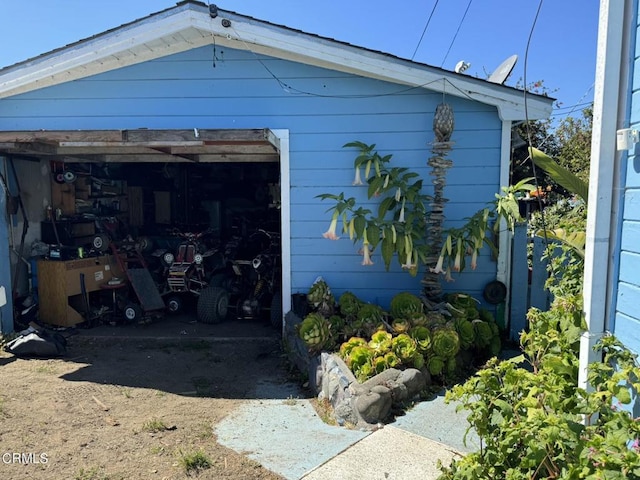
{"x":405,"y":303}
{"x":349,"y":304}
{"x":422,"y":336}
{"x":379,"y":364}
{"x":445,"y":343}
{"x":392,"y":360}
{"x":418,"y":361}
{"x":404,"y":347}
{"x":315,"y":331}
{"x":349,"y":345}
{"x":400,"y":325}
{"x":466,"y":332}
{"x":380,"y":342}
{"x":484,"y":333}
{"x":435,"y":365}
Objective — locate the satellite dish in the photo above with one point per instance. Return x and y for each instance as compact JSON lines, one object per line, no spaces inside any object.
{"x":501,"y":73}
{"x":461,"y":66}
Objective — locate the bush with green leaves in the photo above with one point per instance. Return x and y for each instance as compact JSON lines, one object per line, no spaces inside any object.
{"x":529,"y":411}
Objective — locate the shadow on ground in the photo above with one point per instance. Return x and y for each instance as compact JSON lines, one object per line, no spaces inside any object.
{"x":231,"y":360}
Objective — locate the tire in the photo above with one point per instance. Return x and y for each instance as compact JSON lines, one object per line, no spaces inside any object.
{"x":132,"y":313}
{"x":213,"y":305}
{"x":276,"y":310}
{"x":174,"y":304}
{"x":100,"y":242}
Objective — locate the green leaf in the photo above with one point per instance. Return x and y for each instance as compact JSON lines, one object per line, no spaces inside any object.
{"x":359,"y":224}
{"x":387,"y":249}
{"x":373,"y":234}
{"x":375,"y":184}
{"x":560,"y":174}
{"x":385,"y":206}
{"x":622,"y":394}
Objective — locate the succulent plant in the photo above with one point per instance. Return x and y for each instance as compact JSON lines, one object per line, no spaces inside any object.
{"x":405,"y":303}
{"x":417,"y":319}
{"x":435,"y":365}
{"x":418,"y":361}
{"x":321,"y":298}
{"x":484,"y":334}
{"x":400,"y":325}
{"x":349,"y":304}
{"x":349,"y":345}
{"x":404,"y":347}
{"x":445,"y":343}
{"x":466,"y":332}
{"x":422,"y":336}
{"x":379,"y":364}
{"x":370,"y":319}
{"x":315,"y":331}
{"x":380,"y":342}
{"x":392,"y":359}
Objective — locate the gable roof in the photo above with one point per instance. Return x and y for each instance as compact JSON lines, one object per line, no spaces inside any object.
{"x":191,"y":24}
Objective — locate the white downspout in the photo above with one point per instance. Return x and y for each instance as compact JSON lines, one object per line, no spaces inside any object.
{"x":503,"y":273}
{"x":612,"y":31}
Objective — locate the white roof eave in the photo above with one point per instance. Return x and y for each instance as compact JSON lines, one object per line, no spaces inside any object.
{"x":189,"y":26}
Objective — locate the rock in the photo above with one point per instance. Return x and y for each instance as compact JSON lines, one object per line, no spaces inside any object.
{"x":375,"y":405}
{"x":414,"y":380}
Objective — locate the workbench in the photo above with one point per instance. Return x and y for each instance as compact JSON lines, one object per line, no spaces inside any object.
{"x":60,"y":291}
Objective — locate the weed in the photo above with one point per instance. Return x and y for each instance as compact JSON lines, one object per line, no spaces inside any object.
{"x":290,"y":401}
{"x":157,"y":450}
{"x":154,"y":425}
{"x":324,"y":409}
{"x":94,"y":473}
{"x":46,"y":369}
{"x":205,"y":431}
{"x":194,"y":461}
{"x":126,"y":392}
{"x":160,"y":393}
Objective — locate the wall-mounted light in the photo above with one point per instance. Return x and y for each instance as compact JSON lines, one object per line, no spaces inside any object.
{"x":627,"y":138}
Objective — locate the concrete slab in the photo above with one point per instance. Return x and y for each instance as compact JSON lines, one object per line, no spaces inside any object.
{"x":284,"y":435}
{"x":436,"y":420}
{"x":387,"y":454}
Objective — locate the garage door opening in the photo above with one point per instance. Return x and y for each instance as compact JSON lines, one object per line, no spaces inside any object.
{"x":198,"y":211}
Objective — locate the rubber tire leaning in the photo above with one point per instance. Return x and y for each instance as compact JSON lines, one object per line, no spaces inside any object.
{"x":213,"y":305}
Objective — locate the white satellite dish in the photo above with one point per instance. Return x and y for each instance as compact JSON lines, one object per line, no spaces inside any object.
{"x":503,"y":71}
{"x":461,"y":66}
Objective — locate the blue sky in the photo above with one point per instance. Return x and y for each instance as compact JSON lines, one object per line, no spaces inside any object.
{"x":562,"y":50}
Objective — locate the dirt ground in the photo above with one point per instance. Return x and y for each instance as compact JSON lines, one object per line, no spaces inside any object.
{"x":135,"y":404}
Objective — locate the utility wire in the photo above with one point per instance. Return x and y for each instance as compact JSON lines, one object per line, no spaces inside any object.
{"x":457,"y":31}
{"x":528,"y":128}
{"x":425,"y":29}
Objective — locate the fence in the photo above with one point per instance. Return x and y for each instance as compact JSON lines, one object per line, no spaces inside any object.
{"x":527,"y":282}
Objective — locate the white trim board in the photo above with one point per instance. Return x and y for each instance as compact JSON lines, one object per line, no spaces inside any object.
{"x":189,"y":26}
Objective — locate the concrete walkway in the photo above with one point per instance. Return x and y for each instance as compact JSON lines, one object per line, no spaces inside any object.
{"x":285,"y":435}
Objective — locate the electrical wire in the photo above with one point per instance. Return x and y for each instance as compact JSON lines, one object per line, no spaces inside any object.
{"x":456,"y":34}
{"x":528,"y":129}
{"x":425,"y":29}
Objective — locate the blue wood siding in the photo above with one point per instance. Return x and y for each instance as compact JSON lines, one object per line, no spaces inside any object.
{"x":627,"y":314}
{"x":323,"y":110}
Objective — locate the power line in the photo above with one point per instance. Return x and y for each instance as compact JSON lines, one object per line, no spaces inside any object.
{"x":457,"y":31}
{"x":425,"y":29}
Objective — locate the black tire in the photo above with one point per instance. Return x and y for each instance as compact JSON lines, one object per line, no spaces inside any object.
{"x":174,"y":304}
{"x":132,"y":313}
{"x":276,"y":310}
{"x":213,"y":305}
{"x":100,"y":242}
